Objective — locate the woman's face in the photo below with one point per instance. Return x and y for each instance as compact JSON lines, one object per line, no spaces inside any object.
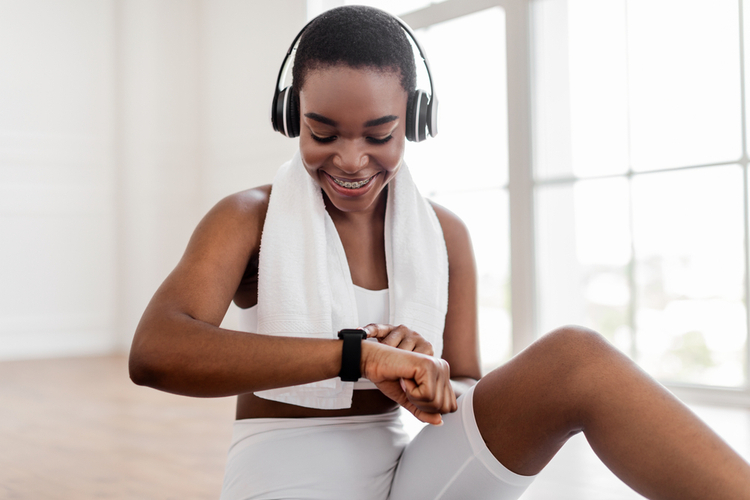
{"x":352,"y":133}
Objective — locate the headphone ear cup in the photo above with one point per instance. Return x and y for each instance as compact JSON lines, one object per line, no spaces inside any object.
{"x":277,"y":111}
{"x":410,"y":116}
{"x":416,"y":116}
{"x":292,"y":118}
{"x":285,"y":113}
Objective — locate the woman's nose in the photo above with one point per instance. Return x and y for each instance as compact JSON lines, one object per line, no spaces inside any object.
{"x":350,"y":157}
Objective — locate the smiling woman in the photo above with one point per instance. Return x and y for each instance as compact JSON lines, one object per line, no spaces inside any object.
{"x":349,"y":245}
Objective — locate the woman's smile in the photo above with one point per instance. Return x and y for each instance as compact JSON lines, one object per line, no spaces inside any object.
{"x":348,"y":187}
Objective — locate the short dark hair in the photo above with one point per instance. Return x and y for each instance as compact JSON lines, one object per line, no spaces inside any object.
{"x":358,"y":37}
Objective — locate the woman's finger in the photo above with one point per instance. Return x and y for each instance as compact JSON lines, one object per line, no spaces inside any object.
{"x":424,"y":347}
{"x":433,"y":391}
{"x":426,"y":417}
{"x":427,"y":405}
{"x":400,"y":337}
{"x":377,"y":330}
{"x":395,"y":337}
{"x":397,"y":392}
{"x":449,"y":397}
{"x":449,"y":400}
{"x":421,"y":391}
{"x":407,"y":344}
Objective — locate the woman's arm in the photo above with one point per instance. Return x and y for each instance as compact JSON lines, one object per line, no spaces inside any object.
{"x":460,"y":339}
{"x":179,"y":347}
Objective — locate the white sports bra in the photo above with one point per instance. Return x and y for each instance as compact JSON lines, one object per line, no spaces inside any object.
{"x":372,"y":307}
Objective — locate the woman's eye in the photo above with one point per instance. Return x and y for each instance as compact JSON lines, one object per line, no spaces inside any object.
{"x":323,"y":139}
{"x":379,"y":141}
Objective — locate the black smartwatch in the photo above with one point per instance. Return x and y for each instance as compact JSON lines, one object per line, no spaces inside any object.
{"x":351,"y":355}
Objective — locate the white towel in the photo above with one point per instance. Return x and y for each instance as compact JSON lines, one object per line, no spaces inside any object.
{"x":305,"y":287}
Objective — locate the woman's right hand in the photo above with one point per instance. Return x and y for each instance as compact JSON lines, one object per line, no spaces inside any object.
{"x":400,"y":336}
{"x":418,"y":382}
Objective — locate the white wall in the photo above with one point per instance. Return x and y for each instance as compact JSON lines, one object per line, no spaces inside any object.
{"x":244,"y":44}
{"x":121,"y":123}
{"x":57,"y":171}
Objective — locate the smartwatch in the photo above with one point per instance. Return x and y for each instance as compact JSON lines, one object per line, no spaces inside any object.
{"x":351,"y":355}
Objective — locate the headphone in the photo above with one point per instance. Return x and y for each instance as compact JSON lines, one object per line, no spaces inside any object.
{"x":421,"y":108}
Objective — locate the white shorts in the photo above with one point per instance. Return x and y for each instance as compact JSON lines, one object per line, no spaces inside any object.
{"x":366,"y":457}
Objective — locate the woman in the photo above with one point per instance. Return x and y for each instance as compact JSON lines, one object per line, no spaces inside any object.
{"x":343,"y":232}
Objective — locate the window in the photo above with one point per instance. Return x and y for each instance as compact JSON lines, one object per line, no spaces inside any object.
{"x":628,"y":211}
{"x":640,"y":180}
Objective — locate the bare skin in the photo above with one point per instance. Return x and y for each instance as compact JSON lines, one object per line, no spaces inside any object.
{"x":567,"y":382}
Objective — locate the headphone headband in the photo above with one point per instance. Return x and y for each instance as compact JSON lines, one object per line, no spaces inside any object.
{"x":421,"y":108}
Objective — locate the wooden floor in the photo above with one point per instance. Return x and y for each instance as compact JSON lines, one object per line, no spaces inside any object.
{"x":79,"y":429}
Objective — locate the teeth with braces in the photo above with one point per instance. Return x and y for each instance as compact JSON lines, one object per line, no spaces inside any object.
{"x":351,"y":185}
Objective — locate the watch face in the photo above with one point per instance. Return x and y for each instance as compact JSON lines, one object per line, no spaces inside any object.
{"x":353,"y":331}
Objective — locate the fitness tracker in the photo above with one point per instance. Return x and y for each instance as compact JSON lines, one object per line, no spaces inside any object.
{"x":351,"y":355}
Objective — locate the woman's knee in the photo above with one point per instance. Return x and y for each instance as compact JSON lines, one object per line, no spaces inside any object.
{"x":561,"y":359}
{"x":559,"y":367}
{"x":575,"y":341}
{"x":578,"y":355}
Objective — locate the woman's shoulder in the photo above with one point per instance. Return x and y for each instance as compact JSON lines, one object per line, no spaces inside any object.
{"x":452,"y":225}
{"x":457,"y":242}
{"x":238,"y":217}
{"x":250,"y":202}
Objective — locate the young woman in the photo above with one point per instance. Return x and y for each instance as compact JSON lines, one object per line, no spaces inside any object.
{"x":348,"y":242}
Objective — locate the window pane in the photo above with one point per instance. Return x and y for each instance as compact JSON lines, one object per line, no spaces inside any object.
{"x":689,"y":250}
{"x":669,"y":68}
{"x":486,"y":215}
{"x":580,"y":91}
{"x":684,"y":82}
{"x":583,"y":254}
{"x":467,"y":59}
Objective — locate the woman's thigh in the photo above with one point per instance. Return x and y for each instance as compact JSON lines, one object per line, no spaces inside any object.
{"x":451,"y":461}
{"x":319,"y":460}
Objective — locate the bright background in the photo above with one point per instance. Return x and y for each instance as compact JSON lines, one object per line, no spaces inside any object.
{"x":123,"y":121}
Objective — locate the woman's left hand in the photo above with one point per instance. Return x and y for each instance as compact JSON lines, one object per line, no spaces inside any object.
{"x":430,"y":393}
{"x":400,"y":337}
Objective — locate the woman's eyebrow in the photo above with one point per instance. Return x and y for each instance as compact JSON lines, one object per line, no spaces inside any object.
{"x":381,"y":120}
{"x":372,"y":123}
{"x":321,"y":119}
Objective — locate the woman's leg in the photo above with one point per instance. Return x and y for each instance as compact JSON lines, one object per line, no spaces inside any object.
{"x":573,"y":380}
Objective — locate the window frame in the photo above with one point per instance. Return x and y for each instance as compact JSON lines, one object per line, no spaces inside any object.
{"x":520,"y":181}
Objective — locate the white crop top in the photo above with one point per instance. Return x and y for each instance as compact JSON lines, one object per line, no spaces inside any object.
{"x":372,"y":307}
